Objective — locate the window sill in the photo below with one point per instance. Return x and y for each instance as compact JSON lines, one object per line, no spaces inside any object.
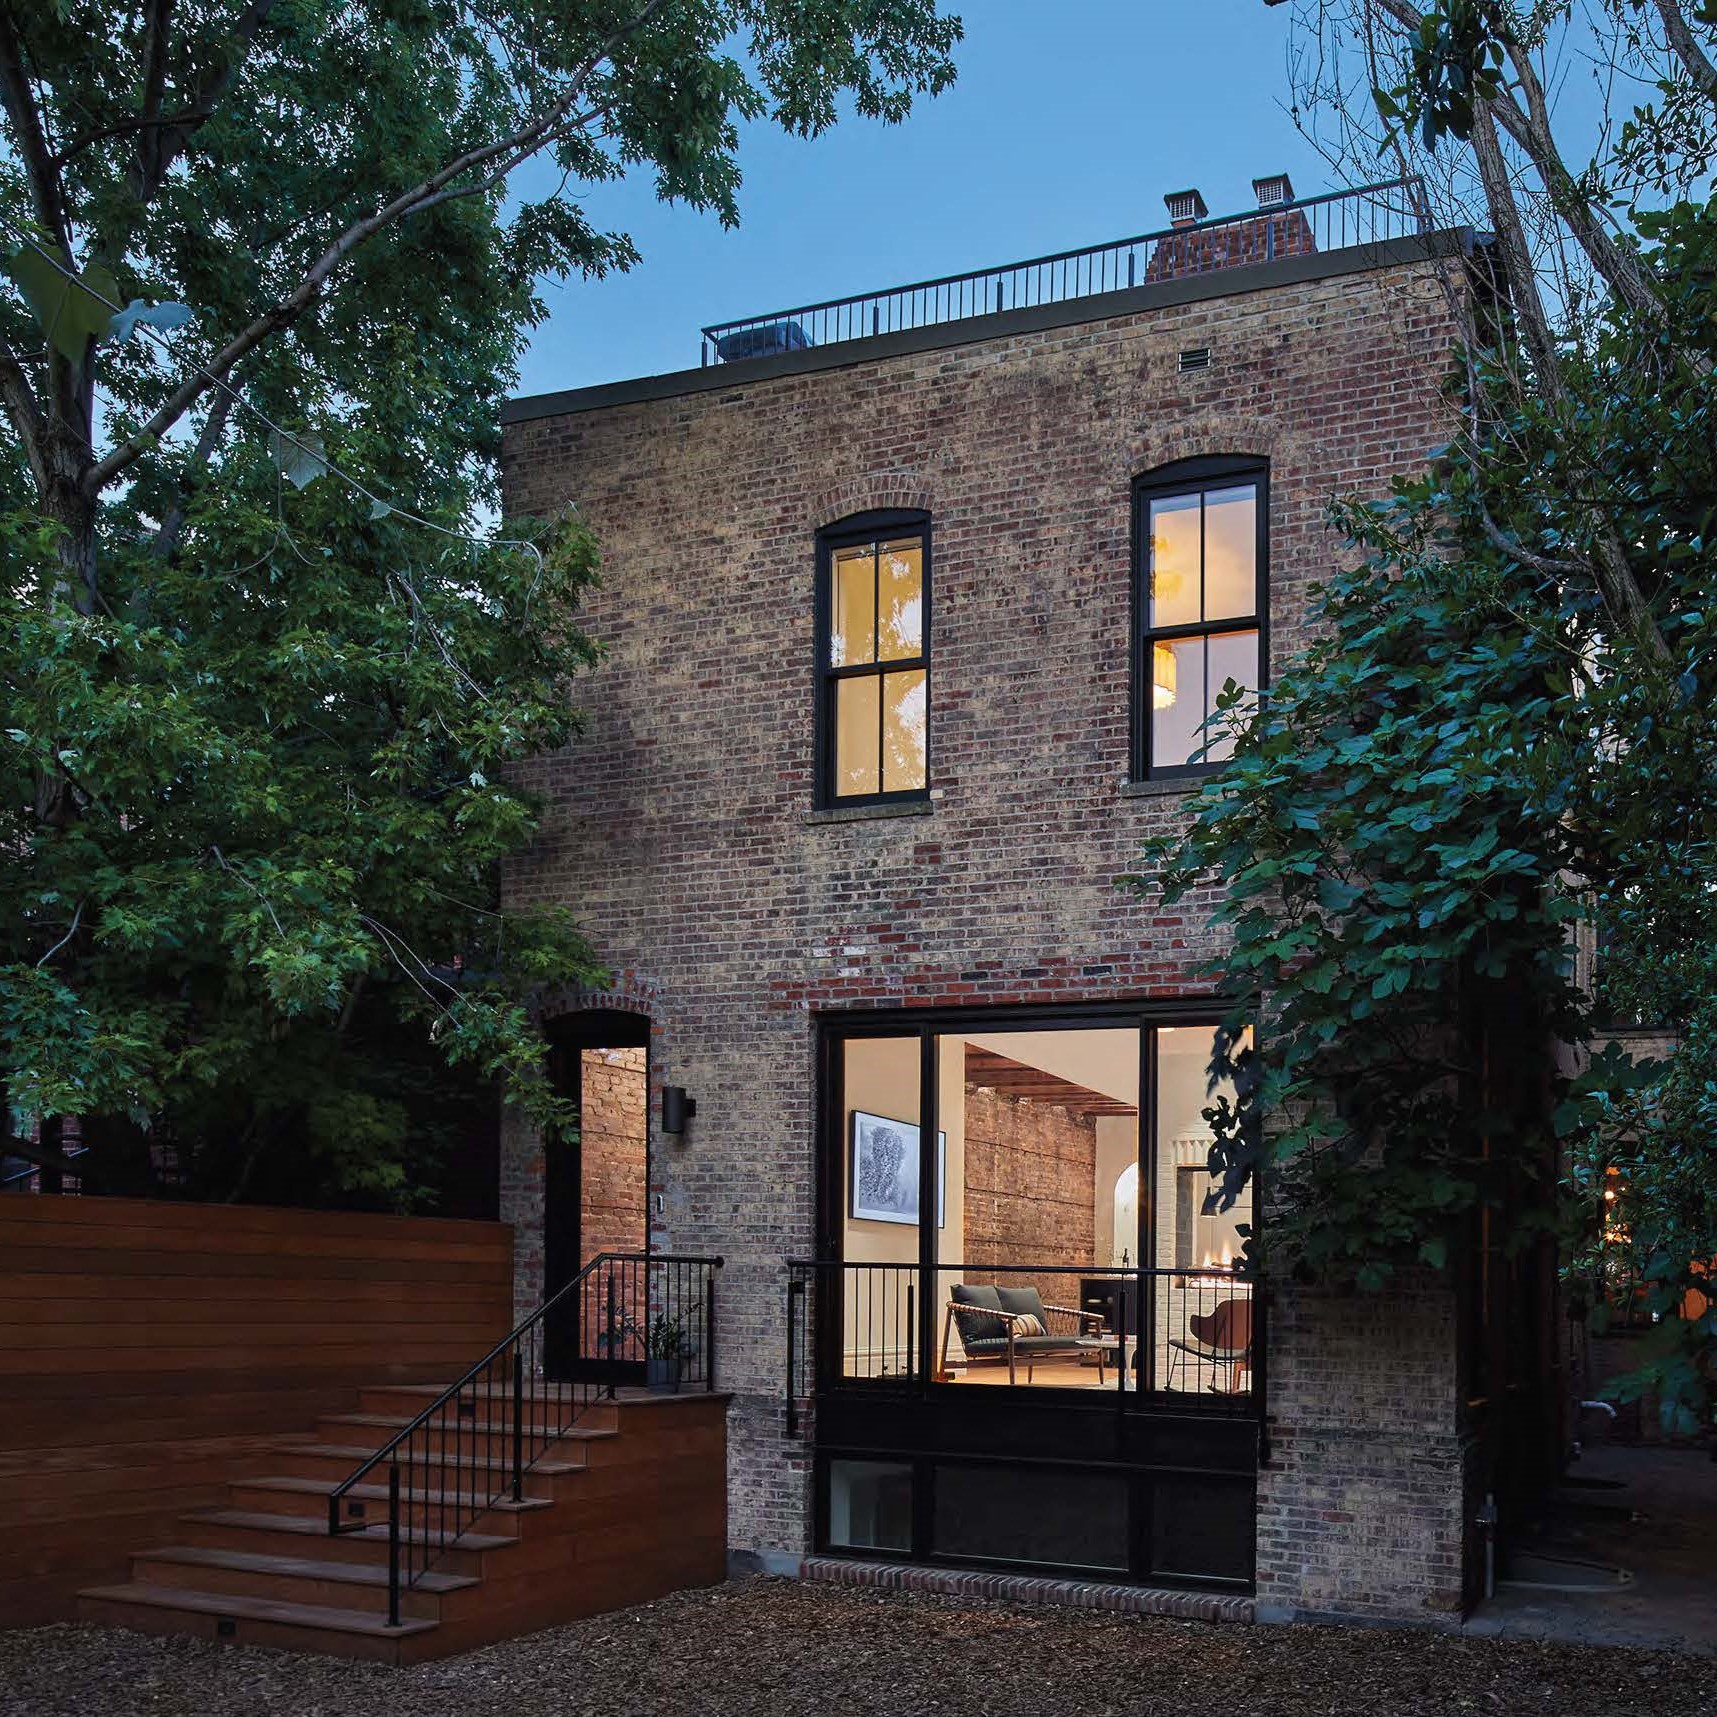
{"x":864,"y":813}
{"x":1163,"y":789}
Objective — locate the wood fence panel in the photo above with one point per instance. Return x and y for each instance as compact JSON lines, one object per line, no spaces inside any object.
{"x":150,"y":1352}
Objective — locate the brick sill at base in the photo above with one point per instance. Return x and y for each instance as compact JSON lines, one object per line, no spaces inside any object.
{"x":1165,"y":789}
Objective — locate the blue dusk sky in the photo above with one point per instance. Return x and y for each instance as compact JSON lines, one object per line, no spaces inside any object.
{"x":1069,"y":122}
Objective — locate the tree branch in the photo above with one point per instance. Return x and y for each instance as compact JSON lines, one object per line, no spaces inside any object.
{"x":25,"y":412}
{"x":1685,"y":46}
{"x":161,"y":149}
{"x":518,"y":145}
{"x":208,"y":438}
{"x":156,"y":14}
{"x":46,"y":192}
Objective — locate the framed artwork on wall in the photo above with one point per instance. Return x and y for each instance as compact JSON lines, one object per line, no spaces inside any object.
{"x":884,"y":1176}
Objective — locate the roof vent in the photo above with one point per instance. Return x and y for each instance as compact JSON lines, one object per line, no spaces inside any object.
{"x":1195,"y":358}
{"x":1273,"y":190}
{"x":1185,"y":207}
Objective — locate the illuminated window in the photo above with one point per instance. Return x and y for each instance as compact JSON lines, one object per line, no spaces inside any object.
{"x":1200,"y":532}
{"x":873,"y":660}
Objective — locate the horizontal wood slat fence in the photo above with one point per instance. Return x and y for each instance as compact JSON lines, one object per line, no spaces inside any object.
{"x":149,"y":1352}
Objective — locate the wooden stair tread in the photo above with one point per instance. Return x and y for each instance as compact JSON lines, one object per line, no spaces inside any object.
{"x":255,"y":1609}
{"x":379,"y":1493}
{"x":476,"y":1427}
{"x":302,"y":1567}
{"x":461,"y":1462}
{"x":316,"y":1526}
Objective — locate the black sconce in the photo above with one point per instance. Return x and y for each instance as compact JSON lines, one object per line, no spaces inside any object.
{"x":677,"y":1109}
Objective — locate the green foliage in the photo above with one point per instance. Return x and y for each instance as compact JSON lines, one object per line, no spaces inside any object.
{"x":266,"y":731}
{"x":1471,"y":772}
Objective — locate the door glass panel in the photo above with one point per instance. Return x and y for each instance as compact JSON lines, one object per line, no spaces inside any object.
{"x":901,"y":590}
{"x":1038,"y":1129}
{"x":904,"y":706}
{"x":1230,"y":552}
{"x":1174,"y":568}
{"x":1203,"y":1330}
{"x":1178,"y":706}
{"x":857,"y":715}
{"x":853,"y":608}
{"x":880,"y":1205}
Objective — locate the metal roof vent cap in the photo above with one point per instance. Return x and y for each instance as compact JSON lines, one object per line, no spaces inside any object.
{"x":1273,"y":190}
{"x":1185,"y":207}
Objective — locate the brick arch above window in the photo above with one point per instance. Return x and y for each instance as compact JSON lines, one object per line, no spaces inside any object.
{"x":894,"y":492}
{"x":628,"y":992}
{"x":1164,"y":454}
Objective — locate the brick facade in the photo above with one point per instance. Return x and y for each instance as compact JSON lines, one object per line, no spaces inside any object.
{"x":680,"y":826}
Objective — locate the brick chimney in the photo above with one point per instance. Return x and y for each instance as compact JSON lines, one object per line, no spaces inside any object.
{"x":1277,"y":230}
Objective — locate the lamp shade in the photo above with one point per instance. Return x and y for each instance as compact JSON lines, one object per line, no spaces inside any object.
{"x":1162,"y":676}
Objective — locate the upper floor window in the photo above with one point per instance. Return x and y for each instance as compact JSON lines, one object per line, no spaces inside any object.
{"x":1200,"y":531}
{"x":873,"y":659}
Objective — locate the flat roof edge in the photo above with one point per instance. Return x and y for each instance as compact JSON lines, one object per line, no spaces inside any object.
{"x":997,"y":325}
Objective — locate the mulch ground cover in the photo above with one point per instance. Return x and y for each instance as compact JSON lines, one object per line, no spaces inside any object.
{"x":770,"y":1648}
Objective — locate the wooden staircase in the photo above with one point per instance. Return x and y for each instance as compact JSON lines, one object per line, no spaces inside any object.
{"x":627,"y":1505}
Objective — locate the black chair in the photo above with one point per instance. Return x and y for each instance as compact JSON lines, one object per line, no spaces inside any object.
{"x":1011,"y":1324}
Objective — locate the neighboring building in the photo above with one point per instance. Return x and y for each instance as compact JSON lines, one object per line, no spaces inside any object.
{"x":913,"y":607}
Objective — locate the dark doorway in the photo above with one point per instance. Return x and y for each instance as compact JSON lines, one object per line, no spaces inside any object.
{"x":596,"y":1187}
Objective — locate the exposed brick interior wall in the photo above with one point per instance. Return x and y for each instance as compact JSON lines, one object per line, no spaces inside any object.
{"x":614,"y":1120}
{"x":1030,"y":1190}
{"x":680,"y":824}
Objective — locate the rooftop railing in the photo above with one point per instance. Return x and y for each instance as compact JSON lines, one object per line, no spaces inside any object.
{"x":1339,"y":220}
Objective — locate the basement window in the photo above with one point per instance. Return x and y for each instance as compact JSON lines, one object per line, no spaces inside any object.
{"x":873,"y":660}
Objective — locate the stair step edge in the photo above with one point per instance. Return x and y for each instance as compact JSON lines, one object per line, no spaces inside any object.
{"x":378,"y":1493}
{"x":299,"y":1567}
{"x":316,"y":1526}
{"x":271,"y":1610}
{"x":463,"y":1463}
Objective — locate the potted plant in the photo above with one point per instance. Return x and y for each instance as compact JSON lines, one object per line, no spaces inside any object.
{"x":665,"y":1348}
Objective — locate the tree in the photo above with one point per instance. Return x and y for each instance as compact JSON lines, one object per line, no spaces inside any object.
{"x":271,"y":268}
{"x":1500,"y":749}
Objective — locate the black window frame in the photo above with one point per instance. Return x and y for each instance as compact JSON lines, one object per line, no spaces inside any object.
{"x":860,"y":528}
{"x":1191,"y":477}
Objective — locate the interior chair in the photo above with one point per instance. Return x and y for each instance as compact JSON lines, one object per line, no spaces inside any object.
{"x":1008,"y":1325}
{"x":1222,"y":1337}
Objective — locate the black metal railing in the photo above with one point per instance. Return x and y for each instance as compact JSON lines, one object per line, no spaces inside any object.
{"x":1142,"y":1334}
{"x":1338,"y":220}
{"x":626,"y":1318}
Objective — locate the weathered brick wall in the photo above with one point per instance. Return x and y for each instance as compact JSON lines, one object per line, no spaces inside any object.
{"x":1030,"y":1190}
{"x":1362,"y":1510}
{"x":680,"y":826}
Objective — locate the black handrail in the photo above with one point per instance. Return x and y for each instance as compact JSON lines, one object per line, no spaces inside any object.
{"x":1334,"y":220}
{"x":623,"y":1314}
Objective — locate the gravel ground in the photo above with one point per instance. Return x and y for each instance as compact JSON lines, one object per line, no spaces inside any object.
{"x":780,"y":1649}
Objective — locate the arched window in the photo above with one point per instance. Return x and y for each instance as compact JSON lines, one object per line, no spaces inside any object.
{"x":1201,"y":580}
{"x":873,"y":659}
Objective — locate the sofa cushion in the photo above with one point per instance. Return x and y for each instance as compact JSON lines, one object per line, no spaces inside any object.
{"x":980,"y":1324}
{"x":1027,"y":1301}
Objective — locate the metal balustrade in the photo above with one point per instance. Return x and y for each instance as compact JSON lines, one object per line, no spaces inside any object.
{"x":1338,"y":220}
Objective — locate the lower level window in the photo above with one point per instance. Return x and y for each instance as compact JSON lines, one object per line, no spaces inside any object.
{"x":870,"y":1505}
{"x":1021,"y":1514}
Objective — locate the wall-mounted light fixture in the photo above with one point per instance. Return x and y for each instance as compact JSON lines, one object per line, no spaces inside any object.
{"x":677,"y":1109}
